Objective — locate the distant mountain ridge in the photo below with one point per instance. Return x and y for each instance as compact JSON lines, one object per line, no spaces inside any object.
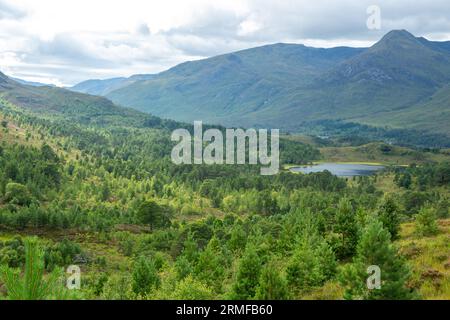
{"x":69,"y":104}
{"x":402,"y":81}
{"x":32,"y":83}
{"x":103,"y":87}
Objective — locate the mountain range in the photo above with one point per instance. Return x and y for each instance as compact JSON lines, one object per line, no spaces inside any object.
{"x":103,"y":87}
{"x":402,"y":81}
{"x":32,"y":83}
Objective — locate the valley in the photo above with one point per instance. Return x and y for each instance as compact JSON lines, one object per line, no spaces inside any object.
{"x":102,"y":193}
{"x":400,"y":83}
{"x":89,"y":182}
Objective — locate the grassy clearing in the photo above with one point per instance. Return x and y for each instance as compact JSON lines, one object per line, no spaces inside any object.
{"x":289,"y":166}
{"x":28,"y":136}
{"x":13,"y":134}
{"x":375,"y":153}
{"x":385,"y":183}
{"x":429,"y":258}
{"x":372,"y":153}
{"x":331,"y":290}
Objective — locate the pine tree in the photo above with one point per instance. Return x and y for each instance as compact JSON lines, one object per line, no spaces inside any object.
{"x":302,"y":268}
{"x":145,"y":277}
{"x":375,"y":249}
{"x":191,"y":289}
{"x":17,"y":193}
{"x":210,"y":265}
{"x":346,"y":225}
{"x":404,"y":181}
{"x":326,"y":261}
{"x":442,"y":210}
{"x":426,"y":224}
{"x":149,"y":212}
{"x":388,"y":214}
{"x":183,"y":267}
{"x":312,"y":264}
{"x":190,"y":248}
{"x":247,"y":278}
{"x":117,"y":288}
{"x":272,"y":285}
{"x":238,"y":238}
{"x":33,"y":285}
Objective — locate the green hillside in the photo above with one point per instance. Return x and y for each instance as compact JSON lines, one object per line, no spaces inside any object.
{"x":433,"y":114}
{"x":84,"y":182}
{"x":399,"y":82}
{"x":397,"y":73}
{"x":71,"y":106}
{"x":103,"y":87}
{"x":232,"y":85}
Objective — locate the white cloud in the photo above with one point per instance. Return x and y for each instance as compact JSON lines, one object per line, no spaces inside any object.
{"x":67,"y":41}
{"x":249,"y":26}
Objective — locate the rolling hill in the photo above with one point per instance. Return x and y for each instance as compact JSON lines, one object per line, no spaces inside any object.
{"x":103,"y":87}
{"x":401,"y":81}
{"x":397,"y":75}
{"x":235,"y":82}
{"x":32,"y":83}
{"x":224,"y":88}
{"x":69,"y":105}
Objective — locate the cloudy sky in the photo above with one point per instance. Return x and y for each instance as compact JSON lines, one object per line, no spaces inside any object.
{"x":67,"y":41}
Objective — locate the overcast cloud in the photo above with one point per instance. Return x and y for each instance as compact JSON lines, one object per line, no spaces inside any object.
{"x":67,"y":41}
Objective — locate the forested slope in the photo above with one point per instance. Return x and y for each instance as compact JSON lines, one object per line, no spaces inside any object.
{"x":99,"y":190}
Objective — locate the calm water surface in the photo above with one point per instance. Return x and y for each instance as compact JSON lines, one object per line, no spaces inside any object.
{"x":340,"y":169}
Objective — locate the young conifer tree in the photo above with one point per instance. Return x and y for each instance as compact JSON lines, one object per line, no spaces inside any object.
{"x":33,"y":285}
{"x":426,"y":224}
{"x":376,"y":250}
{"x":272,"y":284}
{"x":247,"y":278}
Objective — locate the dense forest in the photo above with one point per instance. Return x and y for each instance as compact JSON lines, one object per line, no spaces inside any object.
{"x":99,"y":191}
{"x":356,"y":133}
